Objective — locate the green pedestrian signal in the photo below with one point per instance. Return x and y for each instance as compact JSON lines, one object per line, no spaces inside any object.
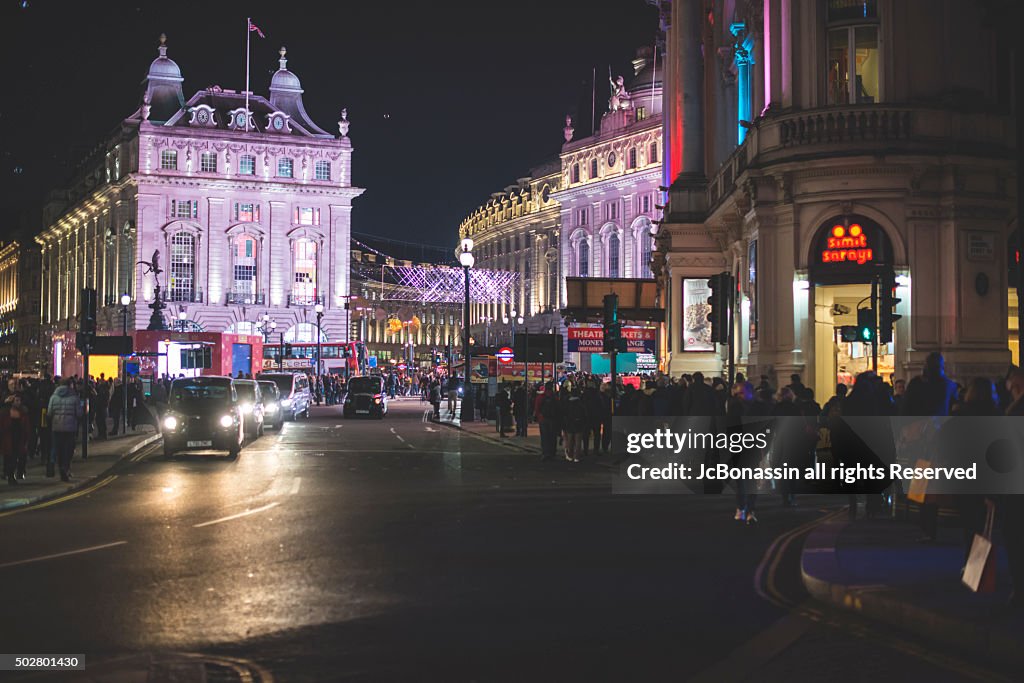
{"x":866,"y":325}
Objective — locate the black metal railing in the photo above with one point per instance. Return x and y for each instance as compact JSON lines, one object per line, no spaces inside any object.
{"x":305,"y":299}
{"x":188,"y":296}
{"x":246,"y":299}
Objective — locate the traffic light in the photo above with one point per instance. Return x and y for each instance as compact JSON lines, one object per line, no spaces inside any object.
{"x":720,"y":303}
{"x":612,"y":326}
{"x":887,"y":308}
{"x":866,"y":325}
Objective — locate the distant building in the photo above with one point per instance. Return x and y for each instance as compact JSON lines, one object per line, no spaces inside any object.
{"x":609,"y":186}
{"x":815,"y":147}
{"x":393,"y":320}
{"x":245,"y":201}
{"x":517,"y":230}
{"x":21,"y":342}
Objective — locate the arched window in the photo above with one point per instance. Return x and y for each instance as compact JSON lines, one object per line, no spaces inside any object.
{"x":243,"y":253}
{"x":646,"y":251}
{"x":183,"y":267}
{"x":304,"y":292}
{"x":583,"y":258}
{"x":613,"y":255}
{"x":303,"y":332}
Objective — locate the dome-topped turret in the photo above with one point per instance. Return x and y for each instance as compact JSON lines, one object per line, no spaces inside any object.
{"x":284,"y":79}
{"x":647,"y":80}
{"x":164,"y":67}
{"x":163,"y":87}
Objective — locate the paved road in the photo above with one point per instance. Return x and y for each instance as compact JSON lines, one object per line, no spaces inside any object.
{"x":343,"y":550}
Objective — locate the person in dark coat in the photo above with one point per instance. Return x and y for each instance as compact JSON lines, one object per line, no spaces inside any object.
{"x":15,"y":428}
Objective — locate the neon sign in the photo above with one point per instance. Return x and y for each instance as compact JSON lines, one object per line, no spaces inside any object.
{"x":847,"y":245}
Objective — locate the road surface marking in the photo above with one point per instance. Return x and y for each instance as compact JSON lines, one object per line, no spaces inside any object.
{"x":240,"y":514}
{"x":296,"y":484}
{"x":71,"y":496}
{"x":64,"y":554}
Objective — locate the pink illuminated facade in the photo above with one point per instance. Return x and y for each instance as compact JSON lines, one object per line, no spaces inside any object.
{"x":249,"y":212}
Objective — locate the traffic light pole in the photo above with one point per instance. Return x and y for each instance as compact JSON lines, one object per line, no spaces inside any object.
{"x":280,"y":352}
{"x":732,"y":337}
{"x":874,"y":314}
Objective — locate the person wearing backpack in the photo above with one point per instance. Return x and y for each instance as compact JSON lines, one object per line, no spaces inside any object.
{"x":546,"y":412}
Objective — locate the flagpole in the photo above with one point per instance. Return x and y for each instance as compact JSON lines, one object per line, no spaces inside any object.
{"x":248,"y":33}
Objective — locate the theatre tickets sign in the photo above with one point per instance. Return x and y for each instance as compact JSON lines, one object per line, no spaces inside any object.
{"x":585,"y":338}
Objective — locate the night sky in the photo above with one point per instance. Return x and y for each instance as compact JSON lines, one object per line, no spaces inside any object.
{"x":449,"y":101}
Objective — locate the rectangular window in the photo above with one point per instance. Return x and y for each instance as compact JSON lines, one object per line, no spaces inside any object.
{"x":247,"y":165}
{"x":575,"y":173}
{"x":581,"y":217}
{"x":247,"y":213}
{"x":182,"y":266}
{"x":184,"y":208}
{"x":307,"y":215}
{"x":593,"y":168}
{"x":304,"y":272}
{"x":632,"y":158}
{"x":613,"y":210}
{"x":208,"y":162}
{"x":169,"y":160}
{"x":322,"y":170}
{"x":652,"y":158}
{"x":645,"y":203}
{"x":853,"y":65}
{"x":284,"y":167}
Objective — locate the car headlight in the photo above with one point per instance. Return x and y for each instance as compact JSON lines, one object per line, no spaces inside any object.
{"x":227,"y":421}
{"x":286,"y":402}
{"x":246,"y":408}
{"x":270,"y":407}
{"x":170,"y":423}
{"x":460,"y":391}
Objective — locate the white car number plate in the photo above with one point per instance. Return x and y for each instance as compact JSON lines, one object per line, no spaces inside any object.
{"x":197,"y":444}
{"x":362,"y":412}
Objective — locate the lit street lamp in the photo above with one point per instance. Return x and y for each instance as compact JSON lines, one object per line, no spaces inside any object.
{"x":182,"y":317}
{"x":466,"y":259}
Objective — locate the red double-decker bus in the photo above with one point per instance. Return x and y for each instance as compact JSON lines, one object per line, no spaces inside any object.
{"x":340,"y":358}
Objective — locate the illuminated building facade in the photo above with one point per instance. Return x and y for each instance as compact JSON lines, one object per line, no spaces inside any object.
{"x":609,"y":189}
{"x":21,"y":344}
{"x":517,"y":231}
{"x":816,"y":146}
{"x":245,"y":201}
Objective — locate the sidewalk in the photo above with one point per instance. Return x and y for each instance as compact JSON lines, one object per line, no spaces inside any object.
{"x":880,"y":569}
{"x":487,"y":430}
{"x":103,"y":455}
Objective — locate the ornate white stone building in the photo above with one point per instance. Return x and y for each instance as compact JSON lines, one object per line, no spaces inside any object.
{"x":609,"y":184}
{"x":248,"y":209}
{"x":518,"y":231}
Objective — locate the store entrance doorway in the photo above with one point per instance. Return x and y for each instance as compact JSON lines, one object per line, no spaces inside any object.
{"x":836,"y":361}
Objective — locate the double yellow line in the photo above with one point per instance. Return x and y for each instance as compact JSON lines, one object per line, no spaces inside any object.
{"x":91,"y":488}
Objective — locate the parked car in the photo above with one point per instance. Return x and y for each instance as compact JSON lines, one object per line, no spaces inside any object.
{"x":295,"y":393}
{"x":366,"y":396}
{"x":250,"y":403}
{"x":273,"y":416}
{"x":203,"y":414}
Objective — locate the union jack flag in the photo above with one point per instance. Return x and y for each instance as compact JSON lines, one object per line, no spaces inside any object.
{"x":254,"y":27}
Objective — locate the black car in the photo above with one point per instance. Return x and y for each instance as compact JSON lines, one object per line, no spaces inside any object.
{"x":273,"y":414}
{"x":250,"y":402}
{"x":203,"y":414}
{"x":366,"y":396}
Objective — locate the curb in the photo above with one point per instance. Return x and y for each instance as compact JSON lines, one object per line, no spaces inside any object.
{"x":16,"y":503}
{"x":520,"y":447}
{"x":818,"y":560}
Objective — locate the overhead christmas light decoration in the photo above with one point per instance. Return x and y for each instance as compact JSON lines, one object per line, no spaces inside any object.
{"x":445,"y":285}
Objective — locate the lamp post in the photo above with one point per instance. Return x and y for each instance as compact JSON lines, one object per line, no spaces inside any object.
{"x":126,"y":300}
{"x":465,"y":253}
{"x":319,"y":308}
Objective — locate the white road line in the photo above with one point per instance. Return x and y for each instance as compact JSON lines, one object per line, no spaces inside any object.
{"x":399,"y":437}
{"x":393,"y":431}
{"x":296,"y":484}
{"x":65,"y":554}
{"x":240,"y":514}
